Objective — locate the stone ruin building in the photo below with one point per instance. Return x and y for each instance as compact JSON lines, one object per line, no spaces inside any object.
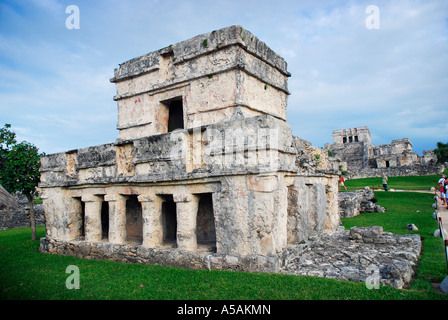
{"x":205,"y":172}
{"x":363,"y":159}
{"x":15,"y":211}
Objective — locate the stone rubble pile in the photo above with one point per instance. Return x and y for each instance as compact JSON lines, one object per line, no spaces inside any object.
{"x":354,"y":203}
{"x":355,"y":254}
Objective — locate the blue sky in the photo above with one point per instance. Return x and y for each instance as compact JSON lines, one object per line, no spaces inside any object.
{"x":55,"y":89}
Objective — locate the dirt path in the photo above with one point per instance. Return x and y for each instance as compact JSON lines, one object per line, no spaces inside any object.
{"x":443,"y":212}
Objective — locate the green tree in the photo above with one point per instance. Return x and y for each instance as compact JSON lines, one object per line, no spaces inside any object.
{"x":19,"y":168}
{"x":7,"y":140}
{"x":441,"y":152}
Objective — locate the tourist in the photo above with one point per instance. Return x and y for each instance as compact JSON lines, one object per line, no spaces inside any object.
{"x":441,"y":185}
{"x":341,"y":183}
{"x":385,"y":182}
{"x":446,"y":192}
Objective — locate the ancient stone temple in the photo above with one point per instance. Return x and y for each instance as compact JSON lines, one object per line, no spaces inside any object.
{"x":205,"y":172}
{"x":363,"y":159}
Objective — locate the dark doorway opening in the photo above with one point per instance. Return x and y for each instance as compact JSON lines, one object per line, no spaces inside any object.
{"x":205,"y":223}
{"x":134,"y":221}
{"x":175,"y":115}
{"x":83,"y":219}
{"x":105,"y":220}
{"x":169,"y":221}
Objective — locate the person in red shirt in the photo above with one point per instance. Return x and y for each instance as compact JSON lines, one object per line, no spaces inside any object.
{"x":341,"y":183}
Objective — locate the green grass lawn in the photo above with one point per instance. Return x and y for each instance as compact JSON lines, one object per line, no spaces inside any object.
{"x":401,"y":209}
{"x":398,"y":183}
{"x":27,"y":274}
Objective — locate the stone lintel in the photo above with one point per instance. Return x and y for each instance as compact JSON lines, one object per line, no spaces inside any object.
{"x":146,"y":198}
{"x":91,"y":198}
{"x":184,"y":197}
{"x":114,"y":197}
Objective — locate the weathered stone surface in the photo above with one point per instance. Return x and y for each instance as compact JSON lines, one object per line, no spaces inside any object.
{"x":411,"y":227}
{"x":444,"y":285}
{"x":231,"y":67}
{"x":250,"y":145}
{"x":352,"y":254}
{"x":366,"y":234}
{"x":7,"y":201}
{"x":164,"y":257}
{"x":17,"y":213}
{"x":438,"y":234}
{"x":353,"y":203}
{"x":335,"y":256}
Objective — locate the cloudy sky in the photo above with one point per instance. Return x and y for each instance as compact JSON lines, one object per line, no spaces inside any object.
{"x":56,"y":94}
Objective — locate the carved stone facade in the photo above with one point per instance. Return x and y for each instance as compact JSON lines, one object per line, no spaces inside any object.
{"x":205,"y":172}
{"x":363,"y":159}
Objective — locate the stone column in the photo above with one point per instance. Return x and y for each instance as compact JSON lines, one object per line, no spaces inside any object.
{"x":117,"y":217}
{"x":152,"y":220}
{"x":92,"y":209}
{"x":186,"y":213}
{"x":73,"y":208}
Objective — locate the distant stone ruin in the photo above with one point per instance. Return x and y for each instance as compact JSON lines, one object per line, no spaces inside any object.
{"x":15,"y":211}
{"x":205,"y":172}
{"x":361,"y":159}
{"x":7,"y":201}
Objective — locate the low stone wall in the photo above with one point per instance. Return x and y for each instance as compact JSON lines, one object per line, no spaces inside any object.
{"x":356,"y":255}
{"x":17,"y":215}
{"x":6,"y":200}
{"x":164,"y":257}
{"x":19,"y":218}
{"x":409,"y":170}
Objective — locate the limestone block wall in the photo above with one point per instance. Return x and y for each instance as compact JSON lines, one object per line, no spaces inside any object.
{"x":401,"y":145}
{"x":428,"y":158}
{"x":15,"y":211}
{"x":410,"y":170}
{"x":215,"y":75}
{"x":352,"y":154}
{"x":312,"y":207}
{"x":254,"y":145}
{"x":360,"y":134}
{"x":250,"y":178}
{"x":250,"y":214}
